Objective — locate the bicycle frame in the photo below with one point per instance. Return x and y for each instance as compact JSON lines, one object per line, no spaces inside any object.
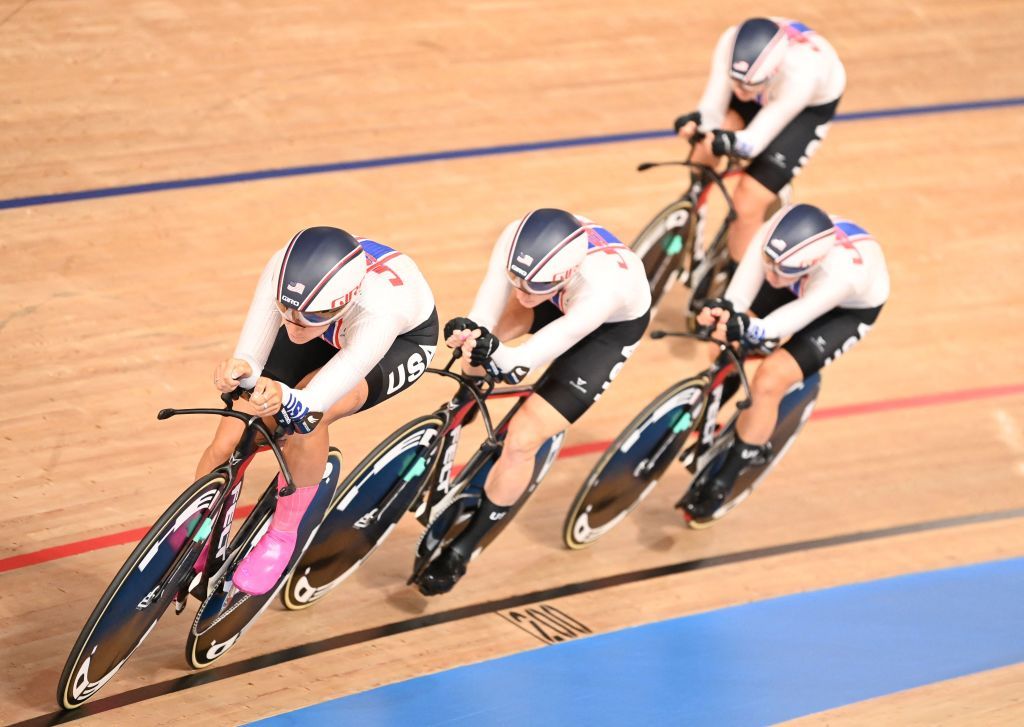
{"x":218,"y":529}
{"x":725,"y":364}
{"x":456,"y":413}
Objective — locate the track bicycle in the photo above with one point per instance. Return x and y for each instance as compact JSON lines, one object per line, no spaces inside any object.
{"x":682,"y":423}
{"x":413,"y":469}
{"x":672,"y":245}
{"x":190,"y":550}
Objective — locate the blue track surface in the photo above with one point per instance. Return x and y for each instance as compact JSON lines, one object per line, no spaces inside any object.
{"x":753,"y":664}
{"x":454,"y":154}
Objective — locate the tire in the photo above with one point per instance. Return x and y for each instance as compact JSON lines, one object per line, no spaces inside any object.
{"x":352,"y":528}
{"x":128,"y":610}
{"x":225,"y":614}
{"x":662,"y":245}
{"x":613,"y":488}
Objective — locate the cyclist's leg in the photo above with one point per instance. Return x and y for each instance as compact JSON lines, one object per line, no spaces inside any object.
{"x":570,"y":386}
{"x":224,"y":440}
{"x":777,"y":374}
{"x":773,"y":169}
{"x":534,"y":423}
{"x":751,"y":200}
{"x":809,"y":350}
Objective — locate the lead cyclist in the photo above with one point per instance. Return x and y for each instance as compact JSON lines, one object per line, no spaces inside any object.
{"x":337,"y":325}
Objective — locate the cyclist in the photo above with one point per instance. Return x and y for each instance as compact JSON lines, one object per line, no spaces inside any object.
{"x":773,"y":89}
{"x":337,"y":325}
{"x":819,"y":282}
{"x":584,"y":295}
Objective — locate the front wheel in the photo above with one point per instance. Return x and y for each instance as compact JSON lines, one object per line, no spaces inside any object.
{"x":629,"y":469}
{"x":366,"y":508}
{"x":226,"y":613}
{"x":140,"y":592}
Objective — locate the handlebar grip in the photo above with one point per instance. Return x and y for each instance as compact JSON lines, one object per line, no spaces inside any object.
{"x":229,"y":397}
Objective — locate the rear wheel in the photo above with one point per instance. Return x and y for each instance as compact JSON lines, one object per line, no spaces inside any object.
{"x":794,"y":411}
{"x":662,"y":244}
{"x":630,"y":468}
{"x":135,"y":600}
{"x":457,"y":507}
{"x":366,"y":508}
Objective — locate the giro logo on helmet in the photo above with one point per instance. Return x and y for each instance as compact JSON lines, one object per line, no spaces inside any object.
{"x":345,"y":299}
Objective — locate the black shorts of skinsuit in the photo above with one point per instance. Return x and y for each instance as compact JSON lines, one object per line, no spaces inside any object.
{"x":400,"y":367}
{"x":577,"y":378}
{"x":785,"y":156}
{"x":824,"y":339}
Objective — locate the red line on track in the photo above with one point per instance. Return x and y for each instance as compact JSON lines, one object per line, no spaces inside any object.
{"x":577,"y":450}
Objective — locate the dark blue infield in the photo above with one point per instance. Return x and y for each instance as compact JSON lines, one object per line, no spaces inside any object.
{"x":481,"y":151}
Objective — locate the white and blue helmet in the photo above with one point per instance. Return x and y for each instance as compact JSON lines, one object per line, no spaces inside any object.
{"x":321,"y":274}
{"x":796,"y":239}
{"x":548,"y":246}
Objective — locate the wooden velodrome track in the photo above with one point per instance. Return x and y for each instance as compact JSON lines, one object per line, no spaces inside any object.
{"x":115,"y":307}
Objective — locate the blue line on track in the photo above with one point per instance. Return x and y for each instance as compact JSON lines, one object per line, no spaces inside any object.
{"x":758,"y":663}
{"x":482,"y":151}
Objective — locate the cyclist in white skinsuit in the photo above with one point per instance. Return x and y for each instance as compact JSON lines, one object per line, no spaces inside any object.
{"x":337,"y":325}
{"x":816,"y":282}
{"x":774,"y":88}
{"x":585,"y":298}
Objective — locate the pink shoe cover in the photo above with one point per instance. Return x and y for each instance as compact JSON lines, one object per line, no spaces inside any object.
{"x":261,"y":568}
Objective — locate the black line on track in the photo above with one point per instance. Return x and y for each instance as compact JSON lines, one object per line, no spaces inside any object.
{"x":245,"y":666}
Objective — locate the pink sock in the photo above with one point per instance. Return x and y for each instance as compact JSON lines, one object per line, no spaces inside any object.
{"x":290,"y":509}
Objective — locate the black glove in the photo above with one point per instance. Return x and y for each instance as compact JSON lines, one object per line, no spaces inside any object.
{"x":683,"y":120}
{"x":737,"y":327}
{"x":750,"y":332}
{"x":484,"y":347}
{"x":723,"y":143}
{"x":698,"y":305}
{"x":458,"y":324}
{"x":716,"y":303}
